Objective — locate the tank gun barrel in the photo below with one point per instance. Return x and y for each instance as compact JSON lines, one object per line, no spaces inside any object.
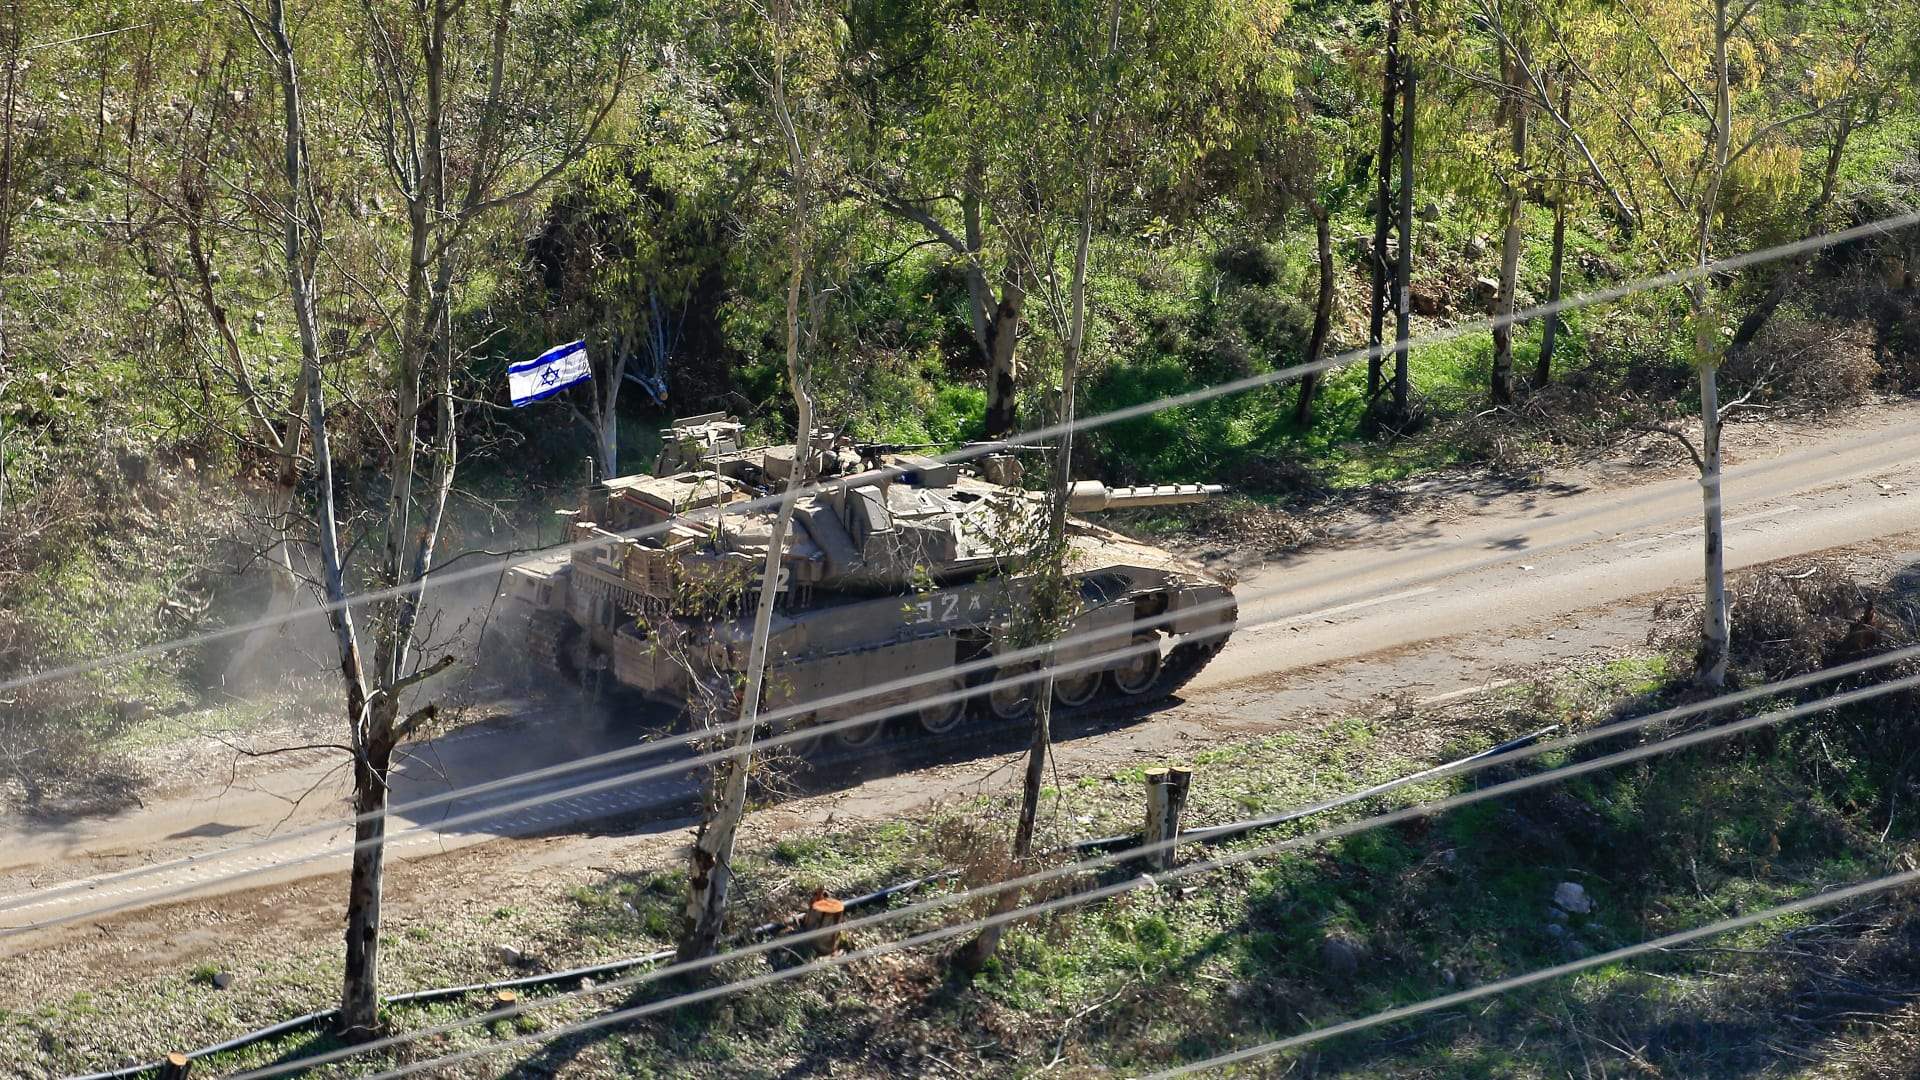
{"x":1091,"y":496}
{"x":877,"y":449}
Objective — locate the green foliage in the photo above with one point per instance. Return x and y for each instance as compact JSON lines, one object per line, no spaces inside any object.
{"x":151,"y":146}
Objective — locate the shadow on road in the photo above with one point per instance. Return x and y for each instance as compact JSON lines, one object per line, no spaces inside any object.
{"x":576,"y":730}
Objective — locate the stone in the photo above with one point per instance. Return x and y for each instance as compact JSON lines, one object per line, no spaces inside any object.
{"x":222,"y":980}
{"x":1572,"y":897}
{"x":1425,"y":301}
{"x":1556,"y":915}
{"x":509,"y":955}
{"x":1430,"y":211}
{"x":1341,"y":957}
{"x":1555,"y":930}
{"x":1476,"y":246}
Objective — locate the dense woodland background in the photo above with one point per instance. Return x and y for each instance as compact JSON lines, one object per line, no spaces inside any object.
{"x":150,"y":355}
{"x":226,"y":229}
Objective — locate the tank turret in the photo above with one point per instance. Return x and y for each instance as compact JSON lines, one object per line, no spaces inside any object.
{"x":897,"y":565}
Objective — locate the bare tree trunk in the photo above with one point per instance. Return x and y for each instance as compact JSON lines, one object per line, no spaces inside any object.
{"x":1003,"y":333}
{"x":1550,"y":333}
{"x":1714,"y":631}
{"x":11,"y":105}
{"x":1383,"y":202}
{"x":1052,"y":591}
{"x":1403,"y":267}
{"x":301,"y":240}
{"x":712,"y":877}
{"x":1322,"y":312}
{"x":1511,"y":236}
{"x":360,"y":989}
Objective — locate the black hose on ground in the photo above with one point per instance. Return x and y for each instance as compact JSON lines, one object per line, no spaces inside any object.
{"x":1211,"y":834}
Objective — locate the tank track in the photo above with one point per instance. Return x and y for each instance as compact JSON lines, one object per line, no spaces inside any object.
{"x":547,"y":642}
{"x":1183,"y":662}
{"x":1179,"y":667}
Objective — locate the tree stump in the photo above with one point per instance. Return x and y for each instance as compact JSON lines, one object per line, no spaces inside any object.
{"x":176,"y":1066}
{"x":824,"y":911}
{"x":1166,"y":802}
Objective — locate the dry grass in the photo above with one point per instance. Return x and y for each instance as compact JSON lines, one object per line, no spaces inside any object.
{"x":1807,"y":365}
{"x":1789,"y":620}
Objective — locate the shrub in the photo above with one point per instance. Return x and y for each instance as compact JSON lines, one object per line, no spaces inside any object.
{"x":1806,"y":364}
{"x":1789,"y":622}
{"x":1248,"y":262}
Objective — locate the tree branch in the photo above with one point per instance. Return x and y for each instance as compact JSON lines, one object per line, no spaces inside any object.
{"x":402,"y":685}
{"x":1674,"y":432}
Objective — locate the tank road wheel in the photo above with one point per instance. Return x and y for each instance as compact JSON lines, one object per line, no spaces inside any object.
{"x":1012,"y":696}
{"x":1074,"y":690}
{"x":1137,"y":674}
{"x":941,"y":717}
{"x":859,"y":736}
{"x":808,"y":743}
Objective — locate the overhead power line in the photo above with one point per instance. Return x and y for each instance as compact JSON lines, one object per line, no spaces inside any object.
{"x":1042,"y":434}
{"x":1075,"y":899}
{"x":1505,"y":554}
{"x":806,"y":735}
{"x":1462,"y":997}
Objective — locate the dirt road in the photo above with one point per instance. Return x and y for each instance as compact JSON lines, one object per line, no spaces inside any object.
{"x":1434,"y":601}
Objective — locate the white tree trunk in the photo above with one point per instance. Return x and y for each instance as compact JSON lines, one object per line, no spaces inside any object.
{"x":1714,"y":631}
{"x":712,"y":877}
{"x":974,"y":955}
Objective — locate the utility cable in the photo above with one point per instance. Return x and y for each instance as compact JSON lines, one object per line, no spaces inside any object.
{"x":44,"y":896}
{"x":1419,"y":810}
{"x":1041,"y":434}
{"x":1461,"y":997}
{"x":1022,"y":679}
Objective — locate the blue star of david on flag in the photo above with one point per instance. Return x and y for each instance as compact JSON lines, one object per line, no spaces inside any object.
{"x":548,"y":374}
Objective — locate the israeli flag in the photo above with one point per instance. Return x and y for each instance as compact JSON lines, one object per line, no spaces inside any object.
{"x":548,"y":374}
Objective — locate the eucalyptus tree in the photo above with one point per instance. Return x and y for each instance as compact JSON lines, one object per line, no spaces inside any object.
{"x":1681,"y":121}
{"x":789,"y":49}
{"x":1116,"y":118}
{"x":1866,"y":66}
{"x":1296,"y":152}
{"x":947,"y":103}
{"x":1513,"y":48}
{"x":470,"y":107}
{"x":634,"y":235}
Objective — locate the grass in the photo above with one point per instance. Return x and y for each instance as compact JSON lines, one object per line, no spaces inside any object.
{"x":1218,"y":960}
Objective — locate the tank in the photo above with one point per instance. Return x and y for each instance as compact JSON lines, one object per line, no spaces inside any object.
{"x":882,"y":578}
